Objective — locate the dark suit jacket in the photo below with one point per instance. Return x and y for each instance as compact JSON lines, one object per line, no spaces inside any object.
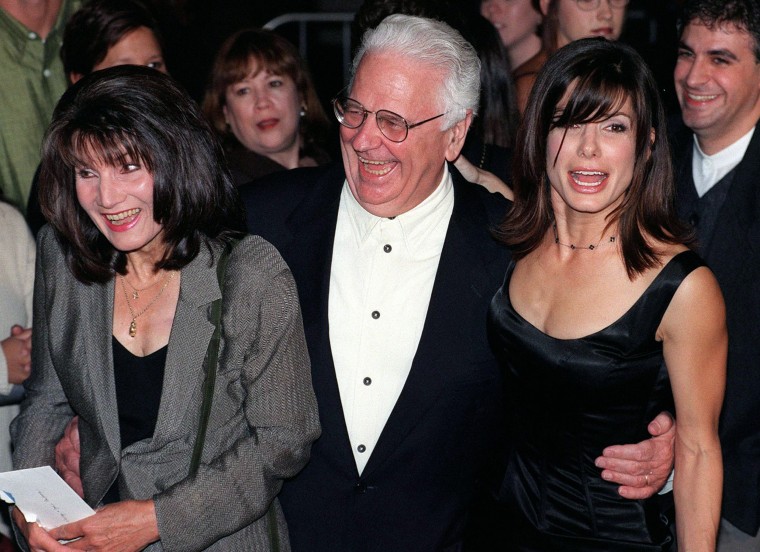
{"x":263,"y":416}
{"x":734,"y":257}
{"x":416,"y":489}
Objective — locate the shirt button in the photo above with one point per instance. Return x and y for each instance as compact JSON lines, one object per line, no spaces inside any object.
{"x":360,"y":488}
{"x":32,"y":35}
{"x":387,"y":248}
{"x":375,"y":314}
{"x":361,"y":448}
{"x":367,"y":381}
{"x":47,"y":72}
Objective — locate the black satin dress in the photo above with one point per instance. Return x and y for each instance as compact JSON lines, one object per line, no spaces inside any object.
{"x":571,"y":398}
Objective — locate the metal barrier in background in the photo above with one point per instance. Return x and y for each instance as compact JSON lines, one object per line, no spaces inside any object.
{"x":306,"y":20}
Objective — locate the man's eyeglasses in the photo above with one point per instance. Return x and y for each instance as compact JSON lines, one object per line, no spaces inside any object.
{"x":352,"y":114}
{"x":588,"y":5}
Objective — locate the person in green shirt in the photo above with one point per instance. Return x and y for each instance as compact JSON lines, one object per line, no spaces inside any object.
{"x":32,"y":82}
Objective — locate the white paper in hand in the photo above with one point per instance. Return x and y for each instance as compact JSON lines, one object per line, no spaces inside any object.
{"x":43,"y":497}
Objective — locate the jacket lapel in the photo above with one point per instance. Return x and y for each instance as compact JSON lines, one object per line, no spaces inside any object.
{"x":310,"y":258}
{"x":98,"y":323}
{"x":188,"y":342}
{"x":736,"y":232}
{"x":443,"y":351}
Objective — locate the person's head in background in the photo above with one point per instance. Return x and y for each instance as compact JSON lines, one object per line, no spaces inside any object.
{"x":518,"y":23}
{"x":106,"y":33}
{"x":260,"y":93}
{"x":568,"y":20}
{"x":717,"y":72}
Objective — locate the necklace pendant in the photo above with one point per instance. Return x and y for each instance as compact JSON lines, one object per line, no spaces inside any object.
{"x":133,"y":328}
{"x":135,"y":295}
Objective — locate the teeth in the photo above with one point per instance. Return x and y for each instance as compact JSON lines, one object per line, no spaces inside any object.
{"x":123,"y":215}
{"x":381,"y":172}
{"x":698,"y":98}
{"x":576,"y":174}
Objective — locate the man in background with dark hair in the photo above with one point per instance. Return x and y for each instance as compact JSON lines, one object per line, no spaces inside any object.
{"x":717,"y":80}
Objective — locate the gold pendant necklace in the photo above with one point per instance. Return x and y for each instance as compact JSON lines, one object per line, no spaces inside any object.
{"x":133,"y":324}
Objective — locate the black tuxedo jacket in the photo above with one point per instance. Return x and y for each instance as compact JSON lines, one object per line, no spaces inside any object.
{"x":416,"y":489}
{"x":734,"y":257}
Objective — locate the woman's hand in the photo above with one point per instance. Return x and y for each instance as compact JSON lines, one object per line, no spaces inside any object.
{"x":67,"y":456}
{"x":36,"y":537}
{"x":126,"y":526}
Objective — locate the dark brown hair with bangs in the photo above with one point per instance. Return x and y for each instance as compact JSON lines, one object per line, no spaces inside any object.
{"x":267,"y":51}
{"x":600,"y":76}
{"x":131,"y":114}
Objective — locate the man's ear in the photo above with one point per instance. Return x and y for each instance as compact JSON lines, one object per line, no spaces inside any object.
{"x":544,"y":5}
{"x":456,"y":136}
{"x":74,"y":77}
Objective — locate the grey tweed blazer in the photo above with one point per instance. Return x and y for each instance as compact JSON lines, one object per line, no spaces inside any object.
{"x":264,"y":414}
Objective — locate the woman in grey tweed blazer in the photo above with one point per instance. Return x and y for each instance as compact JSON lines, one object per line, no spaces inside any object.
{"x":141,"y":209}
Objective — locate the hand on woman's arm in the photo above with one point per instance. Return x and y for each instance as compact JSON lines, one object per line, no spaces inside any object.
{"x":695,"y":346}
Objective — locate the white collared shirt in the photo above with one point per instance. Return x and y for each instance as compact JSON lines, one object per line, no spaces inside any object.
{"x":381,"y":280}
{"x":707,"y":170}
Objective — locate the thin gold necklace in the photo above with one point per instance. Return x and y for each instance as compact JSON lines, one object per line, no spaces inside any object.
{"x":573,"y":246}
{"x":133,"y":324}
{"x":136,"y":292}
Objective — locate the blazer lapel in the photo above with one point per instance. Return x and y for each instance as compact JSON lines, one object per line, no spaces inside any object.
{"x":310,"y":258}
{"x":736,"y":232}
{"x":188,"y":342}
{"x":98,"y":323}
{"x":443,"y":349}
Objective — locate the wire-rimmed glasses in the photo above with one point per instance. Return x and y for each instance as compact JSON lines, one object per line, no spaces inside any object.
{"x":352,"y":114}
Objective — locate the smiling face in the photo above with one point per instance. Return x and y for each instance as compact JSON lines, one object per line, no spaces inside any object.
{"x":516,"y":20}
{"x":590,"y":165}
{"x":717,"y":80}
{"x":389,"y":178}
{"x":138,"y":47}
{"x":263,"y":113}
{"x":119,"y":201}
{"x":574,"y":23}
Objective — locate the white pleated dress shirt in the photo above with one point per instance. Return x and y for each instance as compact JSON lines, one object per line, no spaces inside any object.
{"x":381,"y":280}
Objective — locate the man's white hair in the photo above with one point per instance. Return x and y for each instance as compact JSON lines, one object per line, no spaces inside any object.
{"x":435,"y":44}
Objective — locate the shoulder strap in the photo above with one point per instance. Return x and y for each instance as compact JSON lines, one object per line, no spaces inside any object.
{"x":211,"y":360}
{"x":210,"y":366}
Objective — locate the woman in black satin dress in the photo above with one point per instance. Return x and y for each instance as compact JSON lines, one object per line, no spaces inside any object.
{"x":603,"y":311}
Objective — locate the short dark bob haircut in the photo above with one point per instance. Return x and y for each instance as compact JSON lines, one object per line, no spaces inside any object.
{"x":600,"y":76}
{"x":137,"y":115}
{"x":264,"y":50}
{"x":97,"y":27}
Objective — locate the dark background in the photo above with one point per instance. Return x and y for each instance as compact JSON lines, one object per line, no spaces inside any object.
{"x":194,"y":30}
